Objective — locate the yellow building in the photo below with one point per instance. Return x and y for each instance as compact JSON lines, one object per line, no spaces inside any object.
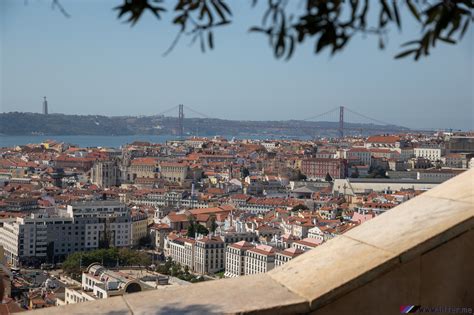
{"x":139,"y":227}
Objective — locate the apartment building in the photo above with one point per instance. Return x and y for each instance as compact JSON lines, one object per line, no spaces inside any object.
{"x":286,"y":255}
{"x":235,"y":259}
{"x":259,"y":259}
{"x":319,"y":168}
{"x":181,"y":250}
{"x":205,"y":255}
{"x":26,"y":240}
{"x":209,"y":255}
{"x":170,"y":199}
{"x":144,"y":167}
{"x":174,"y":171}
{"x":106,"y":222}
{"x":432,"y":154}
{"x":21,"y":204}
{"x":51,"y":236}
{"x":139,"y":227}
{"x":359,"y":156}
{"x":306,"y":243}
{"x":105,"y":174}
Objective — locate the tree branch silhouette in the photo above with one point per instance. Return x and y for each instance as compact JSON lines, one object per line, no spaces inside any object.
{"x":331,"y":24}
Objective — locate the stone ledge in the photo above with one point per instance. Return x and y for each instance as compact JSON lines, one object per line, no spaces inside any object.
{"x":373,"y":253}
{"x":239,"y":295}
{"x":114,"y":305}
{"x":381,"y":244}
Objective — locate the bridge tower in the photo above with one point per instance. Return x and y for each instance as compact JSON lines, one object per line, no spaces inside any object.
{"x":341,"y":121}
{"x":181,"y":121}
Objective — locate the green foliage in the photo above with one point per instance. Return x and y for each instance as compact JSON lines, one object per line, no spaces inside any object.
{"x":145,"y":241}
{"x":355,"y":174}
{"x":299,"y":207}
{"x":174,"y":269}
{"x":301,"y":176}
{"x":191,"y":227}
{"x":201,"y":229}
{"x":111,"y":257}
{"x":195,"y":227}
{"x":191,"y":231}
{"x":136,"y":9}
{"x":331,"y":24}
{"x":377,"y":172}
{"x":245,"y":172}
{"x":214,"y":225}
{"x":328,"y":178}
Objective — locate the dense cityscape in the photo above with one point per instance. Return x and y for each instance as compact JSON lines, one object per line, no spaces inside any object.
{"x":236,"y":157}
{"x":87,"y":223}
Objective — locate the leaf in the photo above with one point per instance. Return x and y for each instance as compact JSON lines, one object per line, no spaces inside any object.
{"x":201,"y":41}
{"x":324,"y":40}
{"x":447,"y":40}
{"x":405,"y":53}
{"x":257,"y":29}
{"x":210,"y":40}
{"x":218,"y":10}
{"x":418,"y":54}
{"x":397,"y":15}
{"x":225,"y":7}
{"x":386,"y":9}
{"x":464,"y":28}
{"x":414,"y":10}
{"x":411,"y":43}
{"x":222,"y":23}
{"x":381,"y":43}
{"x":291,"y":47}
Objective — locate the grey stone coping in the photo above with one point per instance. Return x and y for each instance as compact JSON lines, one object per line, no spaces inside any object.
{"x":325,"y":273}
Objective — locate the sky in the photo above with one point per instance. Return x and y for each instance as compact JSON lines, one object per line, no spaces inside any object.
{"x":92,"y":63}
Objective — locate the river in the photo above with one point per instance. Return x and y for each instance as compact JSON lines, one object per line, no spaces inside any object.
{"x":99,"y":141}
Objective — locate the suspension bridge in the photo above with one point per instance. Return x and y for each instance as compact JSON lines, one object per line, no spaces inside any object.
{"x":348,"y":120}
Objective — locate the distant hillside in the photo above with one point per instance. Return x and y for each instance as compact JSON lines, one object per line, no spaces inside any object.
{"x":16,"y":123}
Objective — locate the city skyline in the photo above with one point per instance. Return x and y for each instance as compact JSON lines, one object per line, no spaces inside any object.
{"x":44,"y":53}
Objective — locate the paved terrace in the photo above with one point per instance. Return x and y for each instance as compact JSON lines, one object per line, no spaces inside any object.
{"x":419,"y":253}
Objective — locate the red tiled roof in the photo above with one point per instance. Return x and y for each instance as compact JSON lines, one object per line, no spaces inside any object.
{"x":292,"y":252}
{"x":383,"y":139}
{"x":144,"y":161}
{"x":241,"y":245}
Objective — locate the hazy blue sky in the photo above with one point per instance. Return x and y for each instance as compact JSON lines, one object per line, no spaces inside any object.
{"x":91,"y":63}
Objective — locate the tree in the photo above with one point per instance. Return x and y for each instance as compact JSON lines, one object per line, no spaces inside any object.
{"x":301,"y":176}
{"x":144,"y":241}
{"x":331,"y":24}
{"x":214,"y":225}
{"x":201,"y":229}
{"x":299,"y":208}
{"x":191,"y":228}
{"x":355,"y":174}
{"x":328,"y":178}
{"x":245,"y":172}
{"x":377,"y":172}
{"x":76,"y":262}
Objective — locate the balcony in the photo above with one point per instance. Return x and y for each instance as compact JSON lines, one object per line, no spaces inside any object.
{"x":419,"y":253}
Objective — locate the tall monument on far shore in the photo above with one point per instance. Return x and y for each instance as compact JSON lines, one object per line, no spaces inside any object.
{"x":45,"y":106}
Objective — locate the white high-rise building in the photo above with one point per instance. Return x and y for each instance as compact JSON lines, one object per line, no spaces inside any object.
{"x":259,"y":259}
{"x":50,"y":237}
{"x":235,"y":259}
